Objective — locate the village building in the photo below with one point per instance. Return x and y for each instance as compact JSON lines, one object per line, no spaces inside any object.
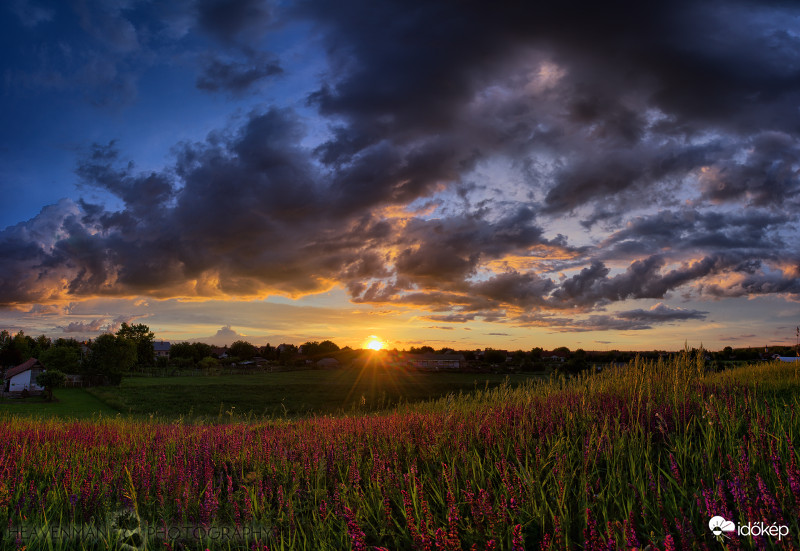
{"x":23,"y":377}
{"x":161,"y":349}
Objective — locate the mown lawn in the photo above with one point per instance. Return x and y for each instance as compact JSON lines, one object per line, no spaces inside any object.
{"x":289,"y":393}
{"x":74,"y":403}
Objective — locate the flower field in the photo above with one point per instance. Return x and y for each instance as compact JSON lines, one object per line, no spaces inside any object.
{"x":639,"y":457}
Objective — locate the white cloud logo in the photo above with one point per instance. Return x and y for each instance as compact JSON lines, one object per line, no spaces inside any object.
{"x":718,"y":525}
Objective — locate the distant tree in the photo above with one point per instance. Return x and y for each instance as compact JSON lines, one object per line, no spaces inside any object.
{"x":42,"y":343}
{"x":50,"y":379}
{"x":208,"y":363}
{"x":319,"y":348}
{"x":495,"y":356}
{"x":66,"y":359}
{"x":285,"y":351}
{"x":309,"y":348}
{"x":201,"y":350}
{"x":536,"y":353}
{"x":184,"y":354}
{"x":111,"y":357}
{"x":267,"y":352}
{"x":143,"y":338}
{"x":72,"y":343}
{"x":181,"y":350}
{"x":421,"y":350}
{"x":562,"y":350}
{"x":243,"y":350}
{"x":328,"y":347}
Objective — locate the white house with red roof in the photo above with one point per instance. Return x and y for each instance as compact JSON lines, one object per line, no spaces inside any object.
{"x":23,"y":377}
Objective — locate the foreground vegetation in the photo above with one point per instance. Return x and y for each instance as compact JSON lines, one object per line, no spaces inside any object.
{"x":630,"y":458}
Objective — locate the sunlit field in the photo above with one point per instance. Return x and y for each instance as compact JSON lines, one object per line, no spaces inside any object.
{"x":638,"y":457}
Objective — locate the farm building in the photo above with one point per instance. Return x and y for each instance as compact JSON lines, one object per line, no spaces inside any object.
{"x":786,"y":358}
{"x":161,"y":349}
{"x":23,"y":377}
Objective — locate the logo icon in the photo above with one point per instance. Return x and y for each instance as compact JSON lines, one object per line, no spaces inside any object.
{"x":718,"y":525}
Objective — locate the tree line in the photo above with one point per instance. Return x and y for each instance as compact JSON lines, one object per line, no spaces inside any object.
{"x":103,"y":360}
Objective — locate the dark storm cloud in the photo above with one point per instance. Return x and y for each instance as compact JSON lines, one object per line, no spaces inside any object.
{"x":624,"y":176}
{"x":661,"y":313}
{"x":744,"y":232}
{"x":629,"y":320}
{"x":450,"y":249}
{"x":642,"y":279}
{"x":143,"y":194}
{"x":653,"y":124}
{"x":236,"y":76}
{"x":760,"y":283}
{"x":228,"y":20}
{"x":767,"y":176}
{"x":402,"y":76}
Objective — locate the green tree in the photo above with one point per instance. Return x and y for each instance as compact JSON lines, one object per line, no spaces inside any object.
{"x":319,"y":348}
{"x":66,"y":359}
{"x":495,"y":356}
{"x":42,"y":343}
{"x":111,"y":357}
{"x":201,"y":350}
{"x":50,"y":379}
{"x":181,"y":351}
{"x":16,"y":349}
{"x":208,"y":362}
{"x":243,"y":350}
{"x":143,"y":338}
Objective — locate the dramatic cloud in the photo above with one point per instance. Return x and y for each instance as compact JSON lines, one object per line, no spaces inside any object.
{"x":534,"y":164}
{"x":237,"y":76}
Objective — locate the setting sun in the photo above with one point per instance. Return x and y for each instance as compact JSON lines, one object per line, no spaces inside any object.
{"x":374,"y":343}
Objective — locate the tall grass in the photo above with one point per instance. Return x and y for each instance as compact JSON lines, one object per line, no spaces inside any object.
{"x":634,"y":457}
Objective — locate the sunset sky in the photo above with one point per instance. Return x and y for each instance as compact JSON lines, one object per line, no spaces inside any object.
{"x":470,"y":174}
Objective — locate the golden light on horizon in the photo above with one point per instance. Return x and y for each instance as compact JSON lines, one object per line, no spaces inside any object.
{"x":374,"y":343}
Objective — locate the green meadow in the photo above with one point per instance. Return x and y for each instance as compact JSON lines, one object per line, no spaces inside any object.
{"x":291,"y":393}
{"x":74,"y":403}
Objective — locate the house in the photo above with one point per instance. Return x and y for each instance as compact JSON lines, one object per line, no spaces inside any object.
{"x":23,"y":377}
{"x":220,"y":352}
{"x":161,"y":349}
{"x":436,"y":362}
{"x":786,"y":358}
